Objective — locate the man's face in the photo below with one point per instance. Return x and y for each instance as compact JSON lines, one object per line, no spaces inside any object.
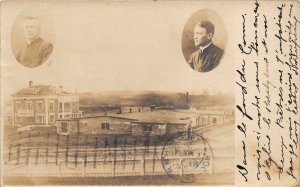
{"x":31,"y":29}
{"x":201,"y":37}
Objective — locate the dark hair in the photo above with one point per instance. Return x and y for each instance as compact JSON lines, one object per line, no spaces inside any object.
{"x":209,"y":26}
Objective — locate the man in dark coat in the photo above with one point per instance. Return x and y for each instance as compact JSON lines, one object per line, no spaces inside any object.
{"x":36,"y":50}
{"x":209,"y":55}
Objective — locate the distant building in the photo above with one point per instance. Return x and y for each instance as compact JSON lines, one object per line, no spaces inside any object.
{"x":43,"y":105}
{"x":95,"y":125}
{"x":152,"y":123}
{"x":206,"y":117}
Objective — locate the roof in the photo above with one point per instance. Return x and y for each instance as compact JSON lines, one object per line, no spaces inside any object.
{"x":95,"y":116}
{"x":40,"y":90}
{"x":157,"y":116}
{"x":160,"y":116}
{"x":203,"y":112}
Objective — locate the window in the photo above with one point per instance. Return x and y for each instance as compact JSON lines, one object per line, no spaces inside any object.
{"x":60,"y":116}
{"x":64,"y":127}
{"x":67,"y":106}
{"x":60,"y":106}
{"x":18,"y":105}
{"x":68,"y":116}
{"x":198,"y":121}
{"x":147,"y":128}
{"x":51,"y":105}
{"x":39,"y":119}
{"x":30,"y":120}
{"x":51,"y":118}
{"x":104,"y":126}
{"x":214,"y":120}
{"x":28,"y":105}
{"x":39,"y":105}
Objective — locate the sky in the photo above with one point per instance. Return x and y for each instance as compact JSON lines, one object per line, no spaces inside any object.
{"x":115,"y":47}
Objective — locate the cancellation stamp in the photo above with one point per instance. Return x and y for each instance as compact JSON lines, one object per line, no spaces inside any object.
{"x":186,"y":156}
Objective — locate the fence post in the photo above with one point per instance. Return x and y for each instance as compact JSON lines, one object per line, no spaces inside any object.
{"x":95,"y":152}
{"x":58,"y":169}
{"x":113,"y":163}
{"x":115,"y":155}
{"x":154,"y":157}
{"x":67,"y":150}
{"x":28,"y":149}
{"x":82,"y":168}
{"x":134,"y":155}
{"x":57,"y":144}
{"x":124,"y":154}
{"x":105,"y":149}
{"x":143,"y":164}
{"x":37,"y":150}
{"x":28,"y":169}
{"x":181,"y":167}
{"x":146,"y":145}
{"x":76,"y":151}
{"x":18,"y":154}
{"x":47,"y":149}
{"x":9,"y":154}
{"x":85,"y":156}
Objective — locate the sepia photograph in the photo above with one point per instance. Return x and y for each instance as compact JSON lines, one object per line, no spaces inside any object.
{"x":201,"y":33}
{"x":149,"y":93}
{"x":106,"y":109}
{"x":32,"y":37}
{"x":163,"y":137}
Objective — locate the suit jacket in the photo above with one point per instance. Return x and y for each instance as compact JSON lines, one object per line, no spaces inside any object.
{"x":206,"y":60}
{"x":35,"y":53}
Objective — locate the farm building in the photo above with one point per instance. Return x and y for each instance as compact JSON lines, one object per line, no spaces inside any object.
{"x":95,"y":125}
{"x":42,"y":105}
{"x":156,"y":122}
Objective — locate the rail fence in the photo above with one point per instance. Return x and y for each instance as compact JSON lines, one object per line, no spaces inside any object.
{"x":45,"y":154}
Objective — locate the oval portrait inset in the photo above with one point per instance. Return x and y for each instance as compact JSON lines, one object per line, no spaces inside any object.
{"x":204,"y":39}
{"x":32,"y":37}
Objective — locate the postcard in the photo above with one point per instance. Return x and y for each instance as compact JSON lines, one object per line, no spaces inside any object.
{"x":150,"y":93}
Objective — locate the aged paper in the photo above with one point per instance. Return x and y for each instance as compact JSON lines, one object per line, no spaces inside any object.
{"x":150,"y":93}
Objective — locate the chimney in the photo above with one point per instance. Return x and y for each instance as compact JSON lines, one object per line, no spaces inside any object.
{"x":30,"y":84}
{"x":152,"y":107}
{"x":60,"y":89}
{"x":120,"y":111}
{"x":187,"y":97}
{"x":105,"y":111}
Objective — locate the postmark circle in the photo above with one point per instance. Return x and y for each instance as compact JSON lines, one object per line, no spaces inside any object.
{"x":185,"y":156}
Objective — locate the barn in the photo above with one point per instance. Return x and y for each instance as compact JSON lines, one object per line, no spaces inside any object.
{"x":154,"y":123}
{"x":103,"y":124}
